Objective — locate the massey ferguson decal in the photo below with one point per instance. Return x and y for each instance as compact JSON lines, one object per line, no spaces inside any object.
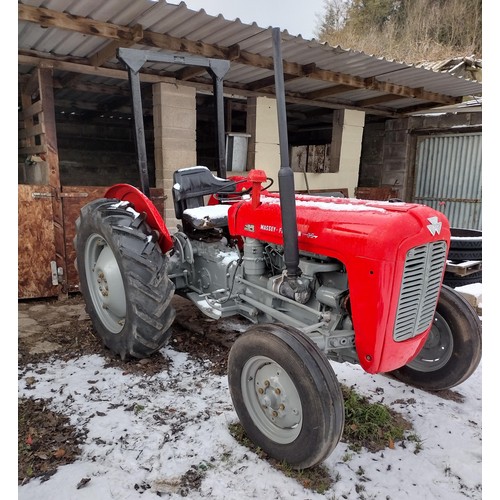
{"x":274,"y":229}
{"x":271,"y":229}
{"x":435,"y":226}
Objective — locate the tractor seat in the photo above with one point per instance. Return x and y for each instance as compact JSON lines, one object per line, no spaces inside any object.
{"x":209,"y":217}
{"x":193,"y":184}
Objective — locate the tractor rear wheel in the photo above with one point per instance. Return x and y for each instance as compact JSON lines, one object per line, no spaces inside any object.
{"x":123,"y":278}
{"x":286,"y":394}
{"x":453,"y":349}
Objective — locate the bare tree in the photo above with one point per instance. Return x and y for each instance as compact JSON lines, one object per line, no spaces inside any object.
{"x":406,"y":30}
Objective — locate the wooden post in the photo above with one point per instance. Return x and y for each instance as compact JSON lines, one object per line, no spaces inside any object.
{"x":49,"y":139}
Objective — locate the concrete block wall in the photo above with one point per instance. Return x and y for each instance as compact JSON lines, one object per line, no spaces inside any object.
{"x":264,"y":149}
{"x":174,"y":118}
{"x":263,"y":143}
{"x":396,"y":152}
{"x":372,"y":154}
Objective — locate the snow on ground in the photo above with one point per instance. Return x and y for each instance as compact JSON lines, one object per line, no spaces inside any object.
{"x":146,"y":432}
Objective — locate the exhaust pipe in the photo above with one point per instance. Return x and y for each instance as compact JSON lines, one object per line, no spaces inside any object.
{"x":285,"y":175}
{"x":292,"y":286}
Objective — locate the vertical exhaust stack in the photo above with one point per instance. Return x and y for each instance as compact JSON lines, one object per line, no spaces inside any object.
{"x":292,"y":285}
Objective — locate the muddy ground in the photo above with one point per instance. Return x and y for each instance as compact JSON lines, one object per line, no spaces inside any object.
{"x":61,"y":328}
{"x":51,"y":328}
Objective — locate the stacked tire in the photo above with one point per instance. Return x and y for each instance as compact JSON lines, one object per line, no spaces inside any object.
{"x":465,"y":245}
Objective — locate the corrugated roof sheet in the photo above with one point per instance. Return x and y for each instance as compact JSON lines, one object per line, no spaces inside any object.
{"x":181,"y":22}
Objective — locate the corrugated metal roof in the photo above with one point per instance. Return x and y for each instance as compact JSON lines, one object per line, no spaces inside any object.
{"x":197,"y":26}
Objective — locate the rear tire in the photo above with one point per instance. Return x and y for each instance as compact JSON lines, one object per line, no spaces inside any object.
{"x":453,"y":349}
{"x":286,"y":394}
{"x":123,"y":278}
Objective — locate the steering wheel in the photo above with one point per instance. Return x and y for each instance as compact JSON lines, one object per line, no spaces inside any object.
{"x":221,"y":195}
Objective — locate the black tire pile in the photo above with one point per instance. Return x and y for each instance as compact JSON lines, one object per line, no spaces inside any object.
{"x":466,"y":245}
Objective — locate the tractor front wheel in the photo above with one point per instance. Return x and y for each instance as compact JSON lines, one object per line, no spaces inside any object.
{"x":123,"y":278}
{"x":286,"y":394}
{"x":452,"y":351}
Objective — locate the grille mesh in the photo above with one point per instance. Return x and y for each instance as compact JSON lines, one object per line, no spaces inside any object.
{"x":419,"y":290}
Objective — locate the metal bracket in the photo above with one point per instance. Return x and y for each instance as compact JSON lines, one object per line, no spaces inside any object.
{"x":464,"y":268}
{"x":54,"y":273}
{"x":42,"y":195}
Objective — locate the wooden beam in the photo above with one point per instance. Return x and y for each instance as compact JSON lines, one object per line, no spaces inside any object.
{"x":30,"y":86}
{"x":419,"y":107}
{"x":90,"y":27}
{"x":267,"y":82}
{"x":232,"y":89}
{"x":84,"y":68}
{"x":109,"y":50}
{"x":329,"y":91}
{"x":95,"y":88}
{"x":84,"y":25}
{"x":48,"y":119}
{"x":379,"y":100}
{"x":189,"y":72}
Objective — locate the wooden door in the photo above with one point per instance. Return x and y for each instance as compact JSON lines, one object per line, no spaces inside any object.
{"x":38,"y":275}
{"x":37,"y":271}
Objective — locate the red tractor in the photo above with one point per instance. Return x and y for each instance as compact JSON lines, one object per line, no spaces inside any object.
{"x":320,"y":278}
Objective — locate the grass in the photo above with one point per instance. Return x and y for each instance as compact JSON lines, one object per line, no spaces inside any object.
{"x":367,"y":425}
{"x":315,"y":478}
{"x":371,"y":425}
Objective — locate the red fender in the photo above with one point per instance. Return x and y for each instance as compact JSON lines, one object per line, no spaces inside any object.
{"x":142,"y":203}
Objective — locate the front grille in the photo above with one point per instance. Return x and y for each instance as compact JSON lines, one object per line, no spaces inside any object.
{"x":419,"y":290}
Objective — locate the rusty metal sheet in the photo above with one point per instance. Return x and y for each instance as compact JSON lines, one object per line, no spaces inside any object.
{"x":376,"y":193}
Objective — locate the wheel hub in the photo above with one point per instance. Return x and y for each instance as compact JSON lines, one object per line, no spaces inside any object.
{"x":274,"y":399}
{"x":437,"y":349}
{"x":105,"y":283}
{"x":102,"y":284}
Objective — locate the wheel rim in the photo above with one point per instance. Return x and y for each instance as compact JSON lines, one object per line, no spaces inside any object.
{"x":105,"y":283}
{"x":271,"y":399}
{"x":438,"y":348}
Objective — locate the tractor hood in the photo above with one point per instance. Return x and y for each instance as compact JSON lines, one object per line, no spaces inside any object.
{"x":343,"y":228}
{"x":373,"y":239}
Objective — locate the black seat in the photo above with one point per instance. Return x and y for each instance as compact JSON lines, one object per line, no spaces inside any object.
{"x":192,"y":184}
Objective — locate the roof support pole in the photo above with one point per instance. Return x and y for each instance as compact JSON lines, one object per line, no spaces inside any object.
{"x":134,"y":60}
{"x":218,"y":70}
{"x":140,"y":137}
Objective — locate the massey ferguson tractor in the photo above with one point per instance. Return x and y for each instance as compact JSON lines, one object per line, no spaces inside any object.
{"x":320,"y":279}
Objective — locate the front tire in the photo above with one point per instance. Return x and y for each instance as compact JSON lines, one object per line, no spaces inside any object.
{"x":123,"y":278}
{"x":452,"y":351}
{"x":286,"y":394}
